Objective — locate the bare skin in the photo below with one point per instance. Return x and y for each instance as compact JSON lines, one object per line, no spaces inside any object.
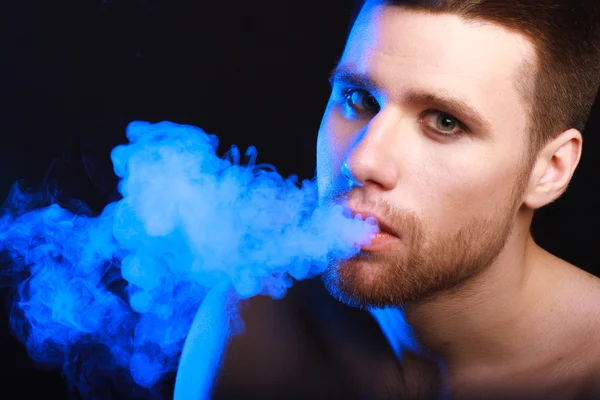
{"x":501,"y":316}
{"x":553,"y":355}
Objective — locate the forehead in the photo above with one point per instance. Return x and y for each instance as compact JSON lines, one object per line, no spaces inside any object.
{"x":404,"y":50}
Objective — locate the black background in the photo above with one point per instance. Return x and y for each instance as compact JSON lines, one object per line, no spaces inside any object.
{"x":74,"y":73}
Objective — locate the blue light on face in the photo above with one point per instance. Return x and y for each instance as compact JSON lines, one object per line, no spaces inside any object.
{"x":121,"y":290}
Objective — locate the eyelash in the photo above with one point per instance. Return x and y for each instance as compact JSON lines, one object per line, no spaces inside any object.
{"x":348,"y":92}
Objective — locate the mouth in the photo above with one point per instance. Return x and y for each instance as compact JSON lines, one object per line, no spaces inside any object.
{"x":385,"y":237}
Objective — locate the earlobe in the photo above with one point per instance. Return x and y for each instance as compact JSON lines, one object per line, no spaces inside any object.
{"x":554,"y":168}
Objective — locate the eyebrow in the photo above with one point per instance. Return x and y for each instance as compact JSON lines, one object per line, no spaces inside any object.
{"x":446,"y":103}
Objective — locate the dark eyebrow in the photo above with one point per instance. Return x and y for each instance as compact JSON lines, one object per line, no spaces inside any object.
{"x":455,"y":106}
{"x":350,"y":78}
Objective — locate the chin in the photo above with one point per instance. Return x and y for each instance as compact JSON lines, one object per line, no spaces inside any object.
{"x":360,"y":284}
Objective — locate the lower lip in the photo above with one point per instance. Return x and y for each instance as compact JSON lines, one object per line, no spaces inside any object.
{"x":381,"y":241}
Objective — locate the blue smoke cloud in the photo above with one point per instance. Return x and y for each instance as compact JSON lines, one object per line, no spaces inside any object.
{"x":193,"y":233}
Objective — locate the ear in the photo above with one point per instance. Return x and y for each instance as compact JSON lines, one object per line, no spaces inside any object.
{"x":553,"y":169}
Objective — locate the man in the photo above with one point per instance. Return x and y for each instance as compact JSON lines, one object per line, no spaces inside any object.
{"x":451,"y":122}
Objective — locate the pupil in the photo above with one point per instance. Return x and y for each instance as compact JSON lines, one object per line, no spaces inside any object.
{"x":369,"y":102}
{"x":447,"y":122}
{"x":364,"y":101}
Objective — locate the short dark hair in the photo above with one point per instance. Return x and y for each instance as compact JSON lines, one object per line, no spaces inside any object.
{"x":561,"y":85}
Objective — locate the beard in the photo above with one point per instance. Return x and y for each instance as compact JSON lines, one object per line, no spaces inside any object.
{"x":423,"y":265}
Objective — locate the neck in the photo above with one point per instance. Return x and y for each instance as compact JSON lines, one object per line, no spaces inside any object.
{"x":476,"y":325}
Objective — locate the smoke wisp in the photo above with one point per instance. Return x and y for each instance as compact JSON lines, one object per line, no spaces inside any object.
{"x":101,"y":294}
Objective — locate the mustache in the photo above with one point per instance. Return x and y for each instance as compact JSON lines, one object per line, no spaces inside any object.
{"x":390,"y":218}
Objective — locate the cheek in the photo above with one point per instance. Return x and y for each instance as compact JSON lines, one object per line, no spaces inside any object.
{"x":324,"y":163}
{"x":464,"y":191}
{"x":328,"y":157}
{"x":333,"y":143}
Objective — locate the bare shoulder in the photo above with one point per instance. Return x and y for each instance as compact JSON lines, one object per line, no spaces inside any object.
{"x":581,"y":290}
{"x":584,"y":289}
{"x":587,"y":289}
{"x":590,"y":388}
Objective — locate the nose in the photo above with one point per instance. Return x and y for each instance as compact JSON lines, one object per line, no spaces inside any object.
{"x":372,"y":160}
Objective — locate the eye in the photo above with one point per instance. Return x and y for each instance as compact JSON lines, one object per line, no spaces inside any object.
{"x":361,"y":101}
{"x":444,"y":124}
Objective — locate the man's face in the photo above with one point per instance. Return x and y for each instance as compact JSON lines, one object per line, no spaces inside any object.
{"x":425,"y":129}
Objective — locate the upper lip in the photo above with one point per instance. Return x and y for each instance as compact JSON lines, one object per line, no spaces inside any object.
{"x":383,"y":226}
